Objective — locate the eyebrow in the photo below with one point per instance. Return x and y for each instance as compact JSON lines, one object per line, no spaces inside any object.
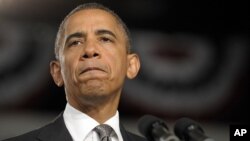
{"x":75,"y":35}
{"x":104,"y":31}
{"x":83,"y":34}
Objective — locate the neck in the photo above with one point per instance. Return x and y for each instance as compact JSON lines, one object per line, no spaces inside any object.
{"x":100,"y":108}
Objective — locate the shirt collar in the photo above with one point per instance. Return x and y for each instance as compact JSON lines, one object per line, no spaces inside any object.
{"x":79,"y":124}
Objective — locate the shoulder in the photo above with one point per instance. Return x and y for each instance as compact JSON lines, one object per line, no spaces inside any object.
{"x":135,"y":137}
{"x":32,"y":135}
{"x":29,"y":136}
{"x":53,"y":131}
{"x":129,"y":136}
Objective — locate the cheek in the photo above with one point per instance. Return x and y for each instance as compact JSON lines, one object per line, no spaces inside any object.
{"x":68,"y":70}
{"x":118,"y":65}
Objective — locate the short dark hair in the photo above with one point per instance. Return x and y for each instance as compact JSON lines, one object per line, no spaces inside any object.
{"x":85,"y":6}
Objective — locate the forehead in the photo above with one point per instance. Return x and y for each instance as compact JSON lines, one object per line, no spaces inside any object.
{"x":91,"y":18}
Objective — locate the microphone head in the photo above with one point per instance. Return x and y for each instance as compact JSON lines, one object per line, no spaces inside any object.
{"x":184,"y":125}
{"x":147,"y":123}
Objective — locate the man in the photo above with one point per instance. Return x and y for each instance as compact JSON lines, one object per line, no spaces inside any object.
{"x":93,"y":59}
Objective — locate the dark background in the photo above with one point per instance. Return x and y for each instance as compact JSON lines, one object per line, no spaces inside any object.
{"x":28,"y":29}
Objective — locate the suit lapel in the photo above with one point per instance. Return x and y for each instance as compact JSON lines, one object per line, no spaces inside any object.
{"x":124,"y":133}
{"x":127,"y":136}
{"x":55,"y":131}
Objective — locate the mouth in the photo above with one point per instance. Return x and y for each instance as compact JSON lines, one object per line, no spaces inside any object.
{"x":91,"y":69}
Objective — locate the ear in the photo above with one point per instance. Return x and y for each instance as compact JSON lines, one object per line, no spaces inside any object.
{"x":55,"y":71}
{"x":133,"y":65}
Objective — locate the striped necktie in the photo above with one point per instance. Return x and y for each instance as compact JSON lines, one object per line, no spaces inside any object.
{"x":104,"y":131}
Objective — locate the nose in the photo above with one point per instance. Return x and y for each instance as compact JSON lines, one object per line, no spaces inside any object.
{"x":91,"y":51}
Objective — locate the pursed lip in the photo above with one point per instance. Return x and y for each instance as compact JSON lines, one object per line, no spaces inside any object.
{"x":91,"y":69}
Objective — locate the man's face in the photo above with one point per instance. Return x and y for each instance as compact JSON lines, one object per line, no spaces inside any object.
{"x":93,"y":61}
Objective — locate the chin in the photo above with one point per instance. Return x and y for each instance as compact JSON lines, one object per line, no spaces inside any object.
{"x":94,"y":96}
{"x":93,"y":90}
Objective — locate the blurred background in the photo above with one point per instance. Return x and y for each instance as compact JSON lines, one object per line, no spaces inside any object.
{"x":194,"y":62}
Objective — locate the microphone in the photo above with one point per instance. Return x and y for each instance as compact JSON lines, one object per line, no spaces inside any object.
{"x":155,"y":129}
{"x":189,"y":130}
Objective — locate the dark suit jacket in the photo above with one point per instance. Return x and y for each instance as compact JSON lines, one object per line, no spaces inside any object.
{"x":57,"y":131}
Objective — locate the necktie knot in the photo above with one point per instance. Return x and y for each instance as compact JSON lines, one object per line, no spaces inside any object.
{"x":104,"y":131}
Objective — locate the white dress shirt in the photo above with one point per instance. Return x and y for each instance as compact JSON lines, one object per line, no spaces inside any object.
{"x":80,"y":125}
